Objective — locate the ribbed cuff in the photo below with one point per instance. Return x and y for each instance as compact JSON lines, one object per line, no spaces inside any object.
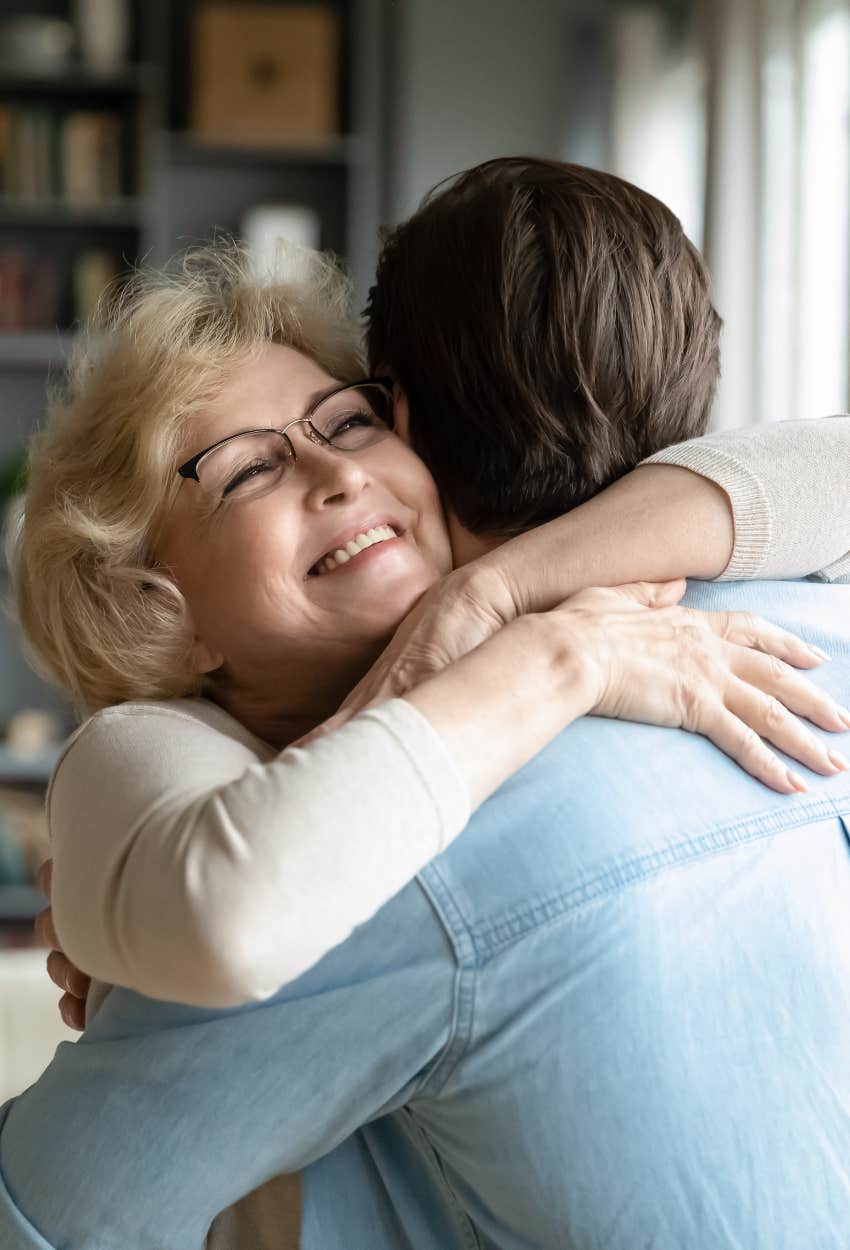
{"x":430,"y":757}
{"x":838,"y":571}
{"x":751,"y":512}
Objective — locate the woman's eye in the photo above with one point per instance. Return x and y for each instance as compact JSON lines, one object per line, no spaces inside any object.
{"x":350,"y":422}
{"x":246,"y":474}
{"x":353,"y":419}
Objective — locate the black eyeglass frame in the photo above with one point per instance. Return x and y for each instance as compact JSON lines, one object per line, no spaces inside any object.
{"x":189,"y":470}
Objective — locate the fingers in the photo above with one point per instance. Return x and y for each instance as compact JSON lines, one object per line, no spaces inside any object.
{"x":73,"y":1012}
{"x":45,"y":934}
{"x":742,"y":744}
{"x":774,"y":677}
{"x":67,"y":976}
{"x":748,"y":630}
{"x":771,"y":720}
{"x":44,"y":877}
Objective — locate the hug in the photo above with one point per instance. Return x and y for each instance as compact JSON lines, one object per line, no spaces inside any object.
{"x":382,"y":856}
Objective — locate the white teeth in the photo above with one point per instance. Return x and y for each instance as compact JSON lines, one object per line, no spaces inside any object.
{"x":354,"y":546}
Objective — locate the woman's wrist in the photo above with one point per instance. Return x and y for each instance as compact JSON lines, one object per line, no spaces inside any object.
{"x":503,"y":702}
{"x":488,"y":582}
{"x":657,"y":523}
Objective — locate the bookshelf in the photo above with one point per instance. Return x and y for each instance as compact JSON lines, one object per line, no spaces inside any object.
{"x":145,"y":184}
{"x":121,"y":212}
{"x":153,"y":186}
{"x":76,"y":80}
{"x":34,"y":349}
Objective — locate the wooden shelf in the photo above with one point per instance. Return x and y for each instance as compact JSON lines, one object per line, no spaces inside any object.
{"x":34,"y":349}
{"x":183,"y":147}
{"x":123,"y":214}
{"x":77,"y":80}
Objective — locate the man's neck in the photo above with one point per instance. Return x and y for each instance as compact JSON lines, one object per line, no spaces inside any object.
{"x":467,"y":546}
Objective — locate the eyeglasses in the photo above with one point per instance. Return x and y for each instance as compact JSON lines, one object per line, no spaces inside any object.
{"x":246,"y":465}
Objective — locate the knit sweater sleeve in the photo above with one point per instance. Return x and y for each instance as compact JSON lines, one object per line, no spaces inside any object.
{"x":789,"y":486}
{"x":189,"y":869}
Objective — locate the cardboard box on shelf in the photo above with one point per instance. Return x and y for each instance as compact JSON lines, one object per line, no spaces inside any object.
{"x":265,"y":75}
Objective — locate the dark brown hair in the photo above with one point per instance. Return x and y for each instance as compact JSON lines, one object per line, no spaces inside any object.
{"x":551,"y":326}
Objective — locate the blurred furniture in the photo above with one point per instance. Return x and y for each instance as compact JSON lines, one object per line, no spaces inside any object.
{"x":265,"y":73}
{"x":101,"y":167}
{"x":30,"y":1027}
{"x":24,"y":842}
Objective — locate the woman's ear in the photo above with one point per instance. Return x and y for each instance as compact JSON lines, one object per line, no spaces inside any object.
{"x":204,"y":659}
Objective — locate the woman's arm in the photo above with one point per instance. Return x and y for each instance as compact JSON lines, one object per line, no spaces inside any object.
{"x":188,"y":869}
{"x":768,"y":501}
{"x":787,"y":484}
{"x":771,"y":501}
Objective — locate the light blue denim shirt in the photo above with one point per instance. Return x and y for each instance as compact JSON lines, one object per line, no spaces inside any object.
{"x":613,"y":1014}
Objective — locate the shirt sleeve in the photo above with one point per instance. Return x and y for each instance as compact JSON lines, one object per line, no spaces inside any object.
{"x":188,"y":870}
{"x":163,"y":1115}
{"x":789,"y":486}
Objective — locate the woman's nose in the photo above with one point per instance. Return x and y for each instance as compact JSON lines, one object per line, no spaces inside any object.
{"x":330,"y":475}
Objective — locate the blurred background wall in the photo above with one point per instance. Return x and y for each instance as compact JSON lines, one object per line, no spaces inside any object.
{"x":129,"y":128}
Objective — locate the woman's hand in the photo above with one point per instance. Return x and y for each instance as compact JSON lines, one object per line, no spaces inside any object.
{"x":461,"y":611}
{"x":74,"y":983}
{"x":725,"y":675}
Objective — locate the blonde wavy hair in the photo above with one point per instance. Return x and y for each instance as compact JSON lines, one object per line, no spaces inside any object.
{"x":100,"y":619}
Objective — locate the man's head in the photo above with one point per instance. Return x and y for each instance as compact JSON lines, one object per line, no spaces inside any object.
{"x":550,"y":326}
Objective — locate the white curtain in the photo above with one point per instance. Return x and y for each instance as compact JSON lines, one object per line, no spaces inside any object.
{"x":747,"y":114}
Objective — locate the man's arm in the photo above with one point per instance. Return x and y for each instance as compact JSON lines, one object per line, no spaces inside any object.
{"x":163,"y":1115}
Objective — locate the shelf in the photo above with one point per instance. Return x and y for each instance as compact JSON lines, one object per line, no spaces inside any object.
{"x":77,"y":80}
{"x":34,"y":349}
{"x":183,"y":147}
{"x":123,"y":214}
{"x":27,"y":769}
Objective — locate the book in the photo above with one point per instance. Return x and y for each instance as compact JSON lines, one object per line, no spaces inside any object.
{"x":92,"y":273}
{"x":81,"y":158}
{"x":91,"y":157}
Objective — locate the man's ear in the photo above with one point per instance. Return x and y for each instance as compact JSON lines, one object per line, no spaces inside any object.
{"x":401,"y":413}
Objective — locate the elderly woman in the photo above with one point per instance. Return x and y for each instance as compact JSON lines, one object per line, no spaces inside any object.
{"x":222,"y":534}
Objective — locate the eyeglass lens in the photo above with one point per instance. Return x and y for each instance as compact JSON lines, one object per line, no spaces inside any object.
{"x":249,"y":464}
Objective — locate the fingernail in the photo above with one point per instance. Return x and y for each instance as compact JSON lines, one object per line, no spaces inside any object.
{"x":838,"y":760}
{"x":822,"y":655}
{"x":796,"y":782}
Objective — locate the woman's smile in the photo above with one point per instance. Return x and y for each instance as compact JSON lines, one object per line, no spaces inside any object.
{"x":358,"y":552}
{"x":258,"y":577}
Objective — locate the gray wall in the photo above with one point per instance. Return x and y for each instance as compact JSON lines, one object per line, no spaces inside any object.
{"x":476,"y":79}
{"x":21,"y":409}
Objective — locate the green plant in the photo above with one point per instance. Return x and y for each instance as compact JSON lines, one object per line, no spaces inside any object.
{"x":12,"y":477}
